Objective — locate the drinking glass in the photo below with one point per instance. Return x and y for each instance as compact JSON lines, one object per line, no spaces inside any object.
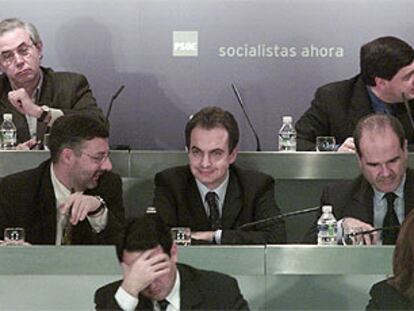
{"x":181,"y":235}
{"x":352,"y":236}
{"x":325,"y":143}
{"x":14,"y":236}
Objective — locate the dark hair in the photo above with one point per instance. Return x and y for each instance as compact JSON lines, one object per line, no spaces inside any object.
{"x":71,"y":131}
{"x":403,"y":260}
{"x":144,"y":233}
{"x":375,"y":123}
{"x":383,"y":58}
{"x":213,"y":117}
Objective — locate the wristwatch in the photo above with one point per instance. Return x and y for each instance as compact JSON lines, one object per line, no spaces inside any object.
{"x":45,"y":112}
{"x":100,"y":208}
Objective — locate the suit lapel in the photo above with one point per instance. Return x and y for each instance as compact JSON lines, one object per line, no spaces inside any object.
{"x":360,"y":104}
{"x":363,"y":207}
{"x":233,"y":202}
{"x":46,"y":96}
{"x":195,"y":205}
{"x":190,"y":297}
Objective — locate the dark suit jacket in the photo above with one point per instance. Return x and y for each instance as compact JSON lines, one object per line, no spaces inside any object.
{"x":27,"y":200}
{"x":384,"y":296}
{"x":199,"y":290}
{"x":67,"y":91}
{"x":335,"y":111}
{"x":249,"y":197}
{"x":354,"y":198}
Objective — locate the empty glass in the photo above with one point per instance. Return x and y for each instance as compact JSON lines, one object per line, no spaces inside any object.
{"x":325,"y":143}
{"x":352,"y":236}
{"x":14,"y":236}
{"x":181,"y":235}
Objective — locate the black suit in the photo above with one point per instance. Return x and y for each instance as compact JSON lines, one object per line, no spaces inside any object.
{"x":27,"y":200}
{"x":335,"y":111}
{"x":354,"y":198}
{"x":69,"y":92}
{"x":249,"y":197}
{"x":199,"y":290}
{"x":384,"y":296}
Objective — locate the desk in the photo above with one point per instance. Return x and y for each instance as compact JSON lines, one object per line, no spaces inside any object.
{"x":274,"y":277}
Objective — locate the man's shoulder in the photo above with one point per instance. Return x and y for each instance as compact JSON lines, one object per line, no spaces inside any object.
{"x":61,"y":75}
{"x":108,"y":289}
{"x":249,"y":175}
{"x":175,"y":173}
{"x":343,"y":87}
{"x":27,"y":176}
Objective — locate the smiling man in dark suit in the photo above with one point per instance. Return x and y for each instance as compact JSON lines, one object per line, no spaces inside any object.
{"x":153,"y":280}
{"x":212,"y":195}
{"x":74,"y":186}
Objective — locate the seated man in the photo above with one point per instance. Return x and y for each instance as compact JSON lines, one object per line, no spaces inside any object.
{"x":384,"y":193}
{"x":213,"y":196}
{"x":74,"y":186}
{"x":387,"y":72}
{"x":153,"y":280}
{"x":36,"y":96}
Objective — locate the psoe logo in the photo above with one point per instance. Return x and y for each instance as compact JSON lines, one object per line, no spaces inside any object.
{"x":185,"y":43}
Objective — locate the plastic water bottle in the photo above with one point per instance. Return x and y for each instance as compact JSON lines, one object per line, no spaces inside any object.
{"x":8,"y":133}
{"x":287,"y":135}
{"x":327,"y":227}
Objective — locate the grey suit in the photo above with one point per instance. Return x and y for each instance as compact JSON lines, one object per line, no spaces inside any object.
{"x":199,"y":290}
{"x":69,"y":92}
{"x":335,"y":111}
{"x":249,"y":197}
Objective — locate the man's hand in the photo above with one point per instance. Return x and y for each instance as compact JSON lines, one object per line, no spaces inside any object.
{"x":203,"y":235}
{"x":347,"y":146}
{"x":28,"y":145}
{"x":369,"y":239}
{"x":79,"y":206}
{"x":24,"y":104}
{"x":144,"y":270}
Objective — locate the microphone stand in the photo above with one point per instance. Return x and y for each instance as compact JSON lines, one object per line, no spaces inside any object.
{"x":279,"y":217}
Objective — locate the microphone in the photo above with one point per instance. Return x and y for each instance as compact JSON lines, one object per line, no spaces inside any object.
{"x":240,"y":101}
{"x":407,"y":107}
{"x":373,"y":230}
{"x":279,"y":217}
{"x":112,"y":101}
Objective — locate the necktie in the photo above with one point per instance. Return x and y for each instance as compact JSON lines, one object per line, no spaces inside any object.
{"x":67,"y":233}
{"x":215,"y":222}
{"x":390,"y":220}
{"x":163,"y":304}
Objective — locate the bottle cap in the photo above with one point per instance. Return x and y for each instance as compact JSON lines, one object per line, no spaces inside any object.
{"x":151,"y":210}
{"x":327,"y":209}
{"x":287,"y":119}
{"x":7,"y":116}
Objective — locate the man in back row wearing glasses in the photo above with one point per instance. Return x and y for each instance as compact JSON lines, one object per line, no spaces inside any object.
{"x":36,"y":96}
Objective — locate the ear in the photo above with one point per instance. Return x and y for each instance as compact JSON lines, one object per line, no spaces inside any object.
{"x":39,"y":46}
{"x":380,"y":82}
{"x":66,"y":156}
{"x":174,"y":252}
{"x":233,"y":154}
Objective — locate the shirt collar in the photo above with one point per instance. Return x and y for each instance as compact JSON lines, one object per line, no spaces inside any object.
{"x":174,"y":295}
{"x":220,"y":190}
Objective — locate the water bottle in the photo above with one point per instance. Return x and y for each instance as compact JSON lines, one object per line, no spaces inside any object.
{"x":327,"y":227}
{"x":287,"y":135}
{"x":8,"y":133}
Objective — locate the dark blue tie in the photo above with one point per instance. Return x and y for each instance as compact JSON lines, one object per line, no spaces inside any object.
{"x":215,"y":222}
{"x":389,"y":236}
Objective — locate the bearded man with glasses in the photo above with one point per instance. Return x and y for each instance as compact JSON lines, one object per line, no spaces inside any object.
{"x":72,"y":198}
{"x":36,"y":96}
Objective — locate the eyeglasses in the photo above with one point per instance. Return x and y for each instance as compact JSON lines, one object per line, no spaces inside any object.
{"x":8,"y":57}
{"x":99,"y":158}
